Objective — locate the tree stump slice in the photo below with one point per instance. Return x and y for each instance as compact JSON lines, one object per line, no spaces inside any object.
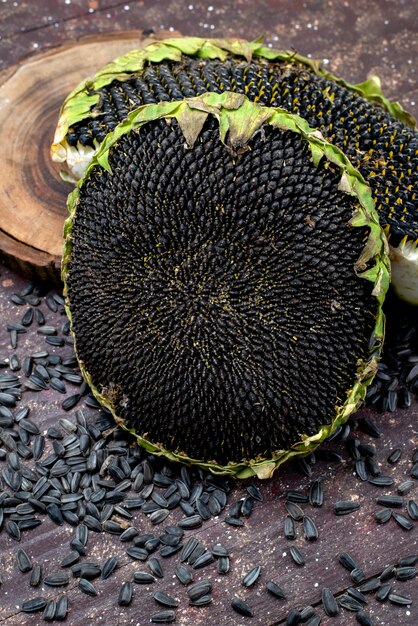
{"x":32,"y":194}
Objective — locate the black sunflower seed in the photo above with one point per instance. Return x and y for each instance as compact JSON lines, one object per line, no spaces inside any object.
{"x":293,"y":617}
{"x":203,"y":560}
{"x":405,"y":487}
{"x":254,"y":492}
{"x":109,"y":567}
{"x":36,"y":575}
{"x":289,"y":527}
{"x":349,"y":603}
{"x":316,"y":494}
{"x":50,"y":611}
{"x":242,"y":607}
{"x":329,"y":603}
{"x":233,"y":521}
{"x":310,"y":529}
{"x":165,"y":600}
{"x":364,"y":619}
{"x":252,"y":576}
{"x":355,"y":593}
{"x":294,"y":510}
{"x":139,"y":554}
{"x":297,"y":496}
{"x":199,"y":589}
{"x":344,"y":507}
{"x":383,"y":592}
{"x":394,"y":456}
{"x":58,"y":579}
{"x":143,"y":578}
{"x":128,"y":534}
{"x":219,"y":550}
{"x":396,"y":598}
{"x":194,"y":521}
{"x":403,"y":521}
{"x":297,"y":556}
{"x":412,"y":508}
{"x":166,"y":551}
{"x":62,"y":608}
{"x":203,"y":601}
{"x":405,"y":573}
{"x":155,"y":567}
{"x":408,"y":561}
{"x":348,"y":561}
{"x":87,"y":587}
{"x":12,"y":530}
{"x":184,"y":574}
{"x":381,"y":481}
{"x":223,"y":565}
{"x":164,"y":617}
{"x":34,"y":605}
{"x":24,"y":563}
{"x":388,"y":573}
{"x":70,"y":559}
{"x":394,"y":502}
{"x":383,"y":515}
{"x":360,"y":467}
{"x":70,"y":402}
{"x":370,"y":585}
{"x":357,"y":575}
{"x":125,"y":594}
{"x":160,"y":515}
{"x":275,"y":590}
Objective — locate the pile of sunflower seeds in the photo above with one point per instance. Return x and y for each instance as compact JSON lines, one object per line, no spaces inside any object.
{"x":89,"y":474}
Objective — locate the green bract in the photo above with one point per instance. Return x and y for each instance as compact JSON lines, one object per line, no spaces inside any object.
{"x":81,"y":102}
{"x":239,"y":119}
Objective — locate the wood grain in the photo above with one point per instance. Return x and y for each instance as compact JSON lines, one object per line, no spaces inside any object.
{"x":32,"y":195}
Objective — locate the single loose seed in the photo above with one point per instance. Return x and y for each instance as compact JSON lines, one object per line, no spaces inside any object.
{"x":294,"y":510}
{"x":87,"y":587}
{"x":396,"y":598}
{"x":289,"y":528}
{"x":405,"y":573}
{"x":252,"y":576}
{"x":329,"y":603}
{"x":275,"y":590}
{"x":394,"y":502}
{"x":383,"y":592}
{"x":62,"y":608}
{"x":36,"y":575}
{"x":364,"y":618}
{"x":383,"y":515}
{"x":109,"y":567}
{"x":242,"y":607}
{"x":345,"y":507}
{"x":310,"y":529}
{"x":24,"y":563}
{"x":348,"y":561}
{"x":297,"y":556}
{"x":349,"y":603}
{"x":125,"y":594}
{"x":293,"y":617}
{"x":58,"y":579}
{"x":34,"y":605}
{"x":184,"y":574}
{"x":403,"y":521}
{"x":370,"y":585}
{"x":316,"y":494}
{"x":143,"y":578}
{"x":357,"y":575}
{"x":50,"y":611}
{"x":164,"y":617}
{"x":165,"y":600}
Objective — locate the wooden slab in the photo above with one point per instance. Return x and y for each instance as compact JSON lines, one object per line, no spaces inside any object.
{"x":32,"y":194}
{"x":259,"y":542}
